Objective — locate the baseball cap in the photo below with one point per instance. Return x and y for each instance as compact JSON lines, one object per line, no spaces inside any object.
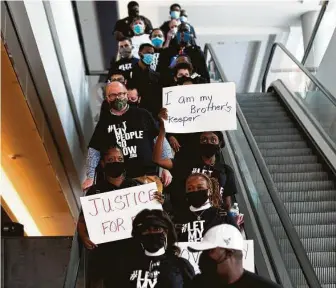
{"x":224,"y":236}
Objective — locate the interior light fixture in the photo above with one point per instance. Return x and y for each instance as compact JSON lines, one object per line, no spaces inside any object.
{"x":14,"y":202}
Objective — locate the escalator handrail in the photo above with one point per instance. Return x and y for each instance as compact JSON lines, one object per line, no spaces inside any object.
{"x":315,"y":31}
{"x":302,"y":68}
{"x":294,"y":239}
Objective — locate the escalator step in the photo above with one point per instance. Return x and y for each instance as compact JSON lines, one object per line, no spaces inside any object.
{"x":274,"y":131}
{"x":321,"y":218}
{"x":325,"y":275}
{"x":257,"y":97}
{"x":304,"y":207}
{"x":259,"y":104}
{"x":321,"y":195}
{"x":305,"y":186}
{"x":317,"y":259}
{"x":278,"y":138}
{"x":286,"y":152}
{"x":291,"y":160}
{"x":295,"y":168}
{"x":287,"y":124}
{"x":308,"y":231}
{"x":267,"y":114}
{"x":311,"y":244}
{"x":295,"y":177}
{"x":255,"y":119}
{"x":269,"y":108}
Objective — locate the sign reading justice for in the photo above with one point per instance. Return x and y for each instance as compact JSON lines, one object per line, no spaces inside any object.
{"x":109,"y":215}
{"x":200,"y":107}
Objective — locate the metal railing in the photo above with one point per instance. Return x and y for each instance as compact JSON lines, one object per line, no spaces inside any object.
{"x":314,"y":32}
{"x":312,"y":78}
{"x":288,"y":226}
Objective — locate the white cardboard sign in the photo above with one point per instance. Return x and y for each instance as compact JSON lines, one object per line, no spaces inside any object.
{"x":200,"y":107}
{"x":109,"y":215}
{"x":193,"y":257}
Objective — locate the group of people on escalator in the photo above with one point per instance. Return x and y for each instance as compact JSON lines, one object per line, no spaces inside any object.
{"x":130,"y":147}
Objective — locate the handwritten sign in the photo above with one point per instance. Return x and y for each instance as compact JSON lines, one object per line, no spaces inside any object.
{"x":193,"y":257}
{"x":109,"y":215}
{"x":200,"y":108}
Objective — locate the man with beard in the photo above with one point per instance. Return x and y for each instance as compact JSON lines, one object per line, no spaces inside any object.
{"x":123,"y":26}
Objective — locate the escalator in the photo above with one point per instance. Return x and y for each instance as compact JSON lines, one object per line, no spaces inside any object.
{"x":304,"y":184}
{"x":296,"y":202}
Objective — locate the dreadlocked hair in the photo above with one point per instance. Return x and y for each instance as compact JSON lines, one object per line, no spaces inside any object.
{"x":214,"y":189}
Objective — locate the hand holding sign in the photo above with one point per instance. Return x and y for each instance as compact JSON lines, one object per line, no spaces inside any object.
{"x":201,"y":107}
{"x":109,"y":215}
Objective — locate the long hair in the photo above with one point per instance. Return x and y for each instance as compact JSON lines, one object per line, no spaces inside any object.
{"x":145,"y":215}
{"x":214,"y":189}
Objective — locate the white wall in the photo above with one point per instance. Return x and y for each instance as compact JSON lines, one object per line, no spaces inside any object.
{"x":326,"y":71}
{"x":73,"y":61}
{"x":51,"y":67}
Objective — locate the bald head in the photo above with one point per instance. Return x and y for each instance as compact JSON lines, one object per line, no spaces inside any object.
{"x":115,"y":87}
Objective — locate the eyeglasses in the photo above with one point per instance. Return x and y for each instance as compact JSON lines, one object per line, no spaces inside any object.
{"x":116,"y":95}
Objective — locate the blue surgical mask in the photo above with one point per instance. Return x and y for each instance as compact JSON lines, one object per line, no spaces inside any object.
{"x":186,"y":37}
{"x":157,"y":41}
{"x":175,"y":14}
{"x":138,"y":29}
{"x":184,"y":19}
{"x":148,"y":58}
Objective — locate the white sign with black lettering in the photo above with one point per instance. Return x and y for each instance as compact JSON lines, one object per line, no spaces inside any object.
{"x":193,"y":257}
{"x":200,"y":107}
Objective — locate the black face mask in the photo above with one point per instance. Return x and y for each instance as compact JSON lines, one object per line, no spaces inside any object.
{"x":208,"y":150}
{"x":133,"y":104}
{"x":114,"y":169}
{"x":197,"y":198}
{"x":153,"y":242}
{"x":183,"y":79}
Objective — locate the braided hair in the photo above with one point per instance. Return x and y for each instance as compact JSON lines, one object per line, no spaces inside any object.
{"x":214,"y":189}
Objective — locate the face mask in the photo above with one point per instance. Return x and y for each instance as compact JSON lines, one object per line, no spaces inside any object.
{"x":181,"y":80}
{"x":175,"y":30}
{"x":133,"y":104}
{"x":147,"y":59}
{"x":197,"y":198}
{"x":138,"y":29}
{"x":157,"y":41}
{"x":118,"y":104}
{"x":125,"y":52}
{"x":184,"y":19}
{"x":153,"y":242}
{"x":175,"y":14}
{"x":186,"y":37}
{"x":114,"y":169}
{"x":208,"y":150}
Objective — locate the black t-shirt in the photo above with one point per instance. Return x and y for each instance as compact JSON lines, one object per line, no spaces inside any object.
{"x":134,"y":132}
{"x":183,"y":166}
{"x":247,"y":280}
{"x":125,"y":65}
{"x":191,"y":226}
{"x":149,"y":88}
{"x":166,"y":271}
{"x":154,"y":66}
{"x":124,"y":26}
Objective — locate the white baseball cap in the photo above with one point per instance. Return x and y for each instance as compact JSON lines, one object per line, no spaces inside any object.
{"x":222,"y":236}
